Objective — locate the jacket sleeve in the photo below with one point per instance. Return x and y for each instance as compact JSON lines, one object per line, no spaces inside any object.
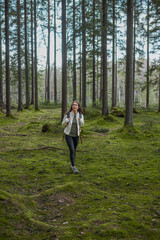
{"x":65,"y":120}
{"x":81,"y":121}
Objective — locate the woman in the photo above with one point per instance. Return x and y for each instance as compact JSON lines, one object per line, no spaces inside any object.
{"x":73,"y":119}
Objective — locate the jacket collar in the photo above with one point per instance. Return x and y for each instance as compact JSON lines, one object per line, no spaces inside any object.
{"x":73,"y":113}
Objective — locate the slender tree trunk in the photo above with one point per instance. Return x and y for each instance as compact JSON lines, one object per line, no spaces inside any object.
{"x":80,"y":69}
{"x":113,"y":58}
{"x":1,"y":74}
{"x":83,"y":55}
{"x":8,"y":98}
{"x":115,"y":68}
{"x":74,"y":56}
{"x":129,"y":66}
{"x":64,"y":60}
{"x":35,"y":49}
{"x":32,"y":58}
{"x":134,"y":46}
{"x":104,"y":59}
{"x":48,"y":55}
{"x":55,"y":60}
{"x":19,"y":57}
{"x":26,"y":55}
{"x":147,"y":95}
{"x":98,"y":87}
{"x":94,"y":75}
{"x":159,"y":90}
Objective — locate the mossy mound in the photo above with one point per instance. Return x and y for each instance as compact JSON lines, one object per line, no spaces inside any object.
{"x":129,"y":132}
{"x":110,"y":118}
{"x":54,"y":128}
{"x":117,"y":112}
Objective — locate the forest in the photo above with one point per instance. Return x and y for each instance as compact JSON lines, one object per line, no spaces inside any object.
{"x":106,"y":55}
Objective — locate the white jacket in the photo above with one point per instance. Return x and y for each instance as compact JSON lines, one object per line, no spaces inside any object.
{"x":68,"y":124}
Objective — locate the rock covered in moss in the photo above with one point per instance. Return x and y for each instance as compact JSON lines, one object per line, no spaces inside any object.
{"x":54,"y":128}
{"x":117,"y":112}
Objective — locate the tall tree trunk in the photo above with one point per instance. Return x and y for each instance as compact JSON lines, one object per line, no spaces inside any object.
{"x":1,"y":73}
{"x":83,"y":55}
{"x":147,"y":95}
{"x":159,"y":90}
{"x":19,"y":57}
{"x":26,"y":55}
{"x":104,"y":59}
{"x":94,"y":78}
{"x":48,"y":55}
{"x":129,"y":66}
{"x":64,"y":60}
{"x":115,"y":68}
{"x":74,"y":56}
{"x":55,"y":54}
{"x":8,"y":97}
{"x":113,"y":60}
{"x":134,"y":46}
{"x":32,"y":58}
{"x":35,"y":49}
{"x":80,"y":68}
{"x":98,"y":87}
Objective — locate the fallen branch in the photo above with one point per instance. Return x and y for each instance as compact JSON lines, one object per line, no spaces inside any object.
{"x":19,"y":135}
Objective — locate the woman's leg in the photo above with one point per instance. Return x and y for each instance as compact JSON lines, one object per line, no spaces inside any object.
{"x":75,"y":142}
{"x":70,"y":144}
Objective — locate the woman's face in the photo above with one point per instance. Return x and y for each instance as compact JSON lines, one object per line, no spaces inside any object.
{"x":75,"y":106}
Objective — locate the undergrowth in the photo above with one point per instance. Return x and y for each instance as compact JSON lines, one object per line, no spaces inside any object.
{"x":114,"y":196}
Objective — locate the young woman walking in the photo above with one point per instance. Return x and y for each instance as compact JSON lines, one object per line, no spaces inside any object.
{"x":72,"y":121}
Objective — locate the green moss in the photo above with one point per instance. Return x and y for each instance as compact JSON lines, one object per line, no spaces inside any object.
{"x":114,"y":196}
{"x":117,"y":112}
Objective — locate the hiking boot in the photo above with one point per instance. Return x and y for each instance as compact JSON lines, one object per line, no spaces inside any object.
{"x":75,"y":169}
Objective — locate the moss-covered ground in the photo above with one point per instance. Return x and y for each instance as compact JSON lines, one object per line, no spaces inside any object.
{"x":114,"y":196}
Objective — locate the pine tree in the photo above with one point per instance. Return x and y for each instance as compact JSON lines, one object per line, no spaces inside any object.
{"x":19,"y":57}
{"x":8,"y":97}
{"x":64,"y":60}
{"x":104,"y":59}
{"x":129,"y":66}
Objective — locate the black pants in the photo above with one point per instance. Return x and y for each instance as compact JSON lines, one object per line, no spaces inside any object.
{"x":72,"y":143}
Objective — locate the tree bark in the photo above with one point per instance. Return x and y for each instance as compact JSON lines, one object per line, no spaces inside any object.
{"x":80,"y":70}
{"x":74,"y":56}
{"x":19,"y":57}
{"x":64,"y":60}
{"x":48,"y":55}
{"x":8,"y":98}
{"x":104,"y":59}
{"x":94,"y":78}
{"x":1,"y":74}
{"x":147,"y":94}
{"x":55,"y":60}
{"x":26,"y":56}
{"x":83,"y":55}
{"x":134,"y":46}
{"x":32,"y":56}
{"x":35,"y":49}
{"x":159,"y":91}
{"x":129,"y":66}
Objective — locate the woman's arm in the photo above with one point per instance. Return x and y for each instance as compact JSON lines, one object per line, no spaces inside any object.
{"x":81,"y":120}
{"x":65,"y":120}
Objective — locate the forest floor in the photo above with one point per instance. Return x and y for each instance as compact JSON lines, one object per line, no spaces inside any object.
{"x":114,"y":196}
